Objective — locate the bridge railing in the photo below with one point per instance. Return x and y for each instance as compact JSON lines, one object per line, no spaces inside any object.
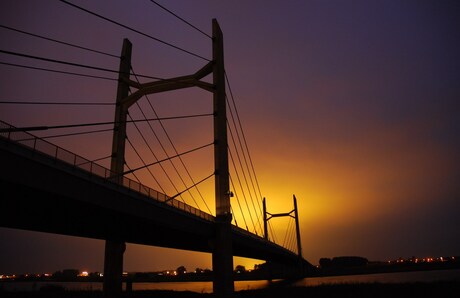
{"x":37,"y":144}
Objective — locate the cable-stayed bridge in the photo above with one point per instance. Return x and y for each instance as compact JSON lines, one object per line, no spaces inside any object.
{"x":47,"y":188}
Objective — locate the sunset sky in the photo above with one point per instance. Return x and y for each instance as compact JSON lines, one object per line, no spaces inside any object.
{"x":353,"y":106}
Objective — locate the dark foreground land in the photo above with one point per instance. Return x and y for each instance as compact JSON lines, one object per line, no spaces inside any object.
{"x":426,"y":289}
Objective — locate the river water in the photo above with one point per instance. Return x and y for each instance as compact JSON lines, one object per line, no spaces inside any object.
{"x":206,"y":287}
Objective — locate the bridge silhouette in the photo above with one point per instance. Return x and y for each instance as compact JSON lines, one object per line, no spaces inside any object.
{"x":47,"y":188}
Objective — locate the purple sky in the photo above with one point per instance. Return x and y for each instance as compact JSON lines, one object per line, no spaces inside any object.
{"x":350,"y":105}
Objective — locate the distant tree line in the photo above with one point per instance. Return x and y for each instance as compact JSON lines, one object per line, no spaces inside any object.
{"x":343,"y":262}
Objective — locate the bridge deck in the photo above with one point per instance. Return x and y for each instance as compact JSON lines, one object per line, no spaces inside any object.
{"x":46,"y":188}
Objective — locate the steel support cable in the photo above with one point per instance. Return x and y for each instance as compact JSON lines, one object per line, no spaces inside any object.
{"x":292,"y":242}
{"x":70,"y":63}
{"x":156,"y":158}
{"x":243,"y":151}
{"x":287,"y":232}
{"x":138,"y":180}
{"x":290,"y":238}
{"x":154,"y":155}
{"x":158,"y":162}
{"x":239,"y":204}
{"x":15,"y":129}
{"x":242,"y":131}
{"x":68,"y":134}
{"x":94,"y":160}
{"x":270,"y":227}
{"x":244,"y":176}
{"x":58,"y":71}
{"x":188,"y":23}
{"x":173,"y":165}
{"x":258,"y":211}
{"x":242,"y":191}
{"x":172,"y":145}
{"x":241,"y":185}
{"x":134,"y":30}
{"x":57,"y":103}
{"x":199,"y":182}
{"x":143,"y":162}
{"x":59,"y":41}
{"x":168,"y":158}
{"x":284,"y":237}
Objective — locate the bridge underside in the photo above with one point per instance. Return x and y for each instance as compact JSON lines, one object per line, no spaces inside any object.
{"x":40,"y":193}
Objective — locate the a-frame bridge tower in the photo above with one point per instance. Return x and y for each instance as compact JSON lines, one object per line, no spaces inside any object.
{"x":222,"y":257}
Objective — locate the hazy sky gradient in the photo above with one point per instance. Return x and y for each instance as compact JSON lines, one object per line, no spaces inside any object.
{"x":350,"y":105}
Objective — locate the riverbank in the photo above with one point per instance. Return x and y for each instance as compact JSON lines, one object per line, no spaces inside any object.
{"x":356,"y":290}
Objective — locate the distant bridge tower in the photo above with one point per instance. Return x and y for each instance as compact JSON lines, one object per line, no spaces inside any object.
{"x":222,"y":256}
{"x":268,"y":216}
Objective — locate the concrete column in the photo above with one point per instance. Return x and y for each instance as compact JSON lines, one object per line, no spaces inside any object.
{"x":114,"y":249}
{"x":222,"y":255}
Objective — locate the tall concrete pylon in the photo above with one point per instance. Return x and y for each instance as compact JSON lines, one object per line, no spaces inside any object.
{"x":222,"y":256}
{"x":115,"y":248}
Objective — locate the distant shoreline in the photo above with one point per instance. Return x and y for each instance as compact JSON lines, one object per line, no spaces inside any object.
{"x":251,"y":276}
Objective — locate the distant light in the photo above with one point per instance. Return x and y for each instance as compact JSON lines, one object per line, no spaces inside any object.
{"x":84,"y":274}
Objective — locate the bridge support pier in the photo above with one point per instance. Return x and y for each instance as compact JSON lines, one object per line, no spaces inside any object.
{"x":222,"y":259}
{"x":113,"y":268}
